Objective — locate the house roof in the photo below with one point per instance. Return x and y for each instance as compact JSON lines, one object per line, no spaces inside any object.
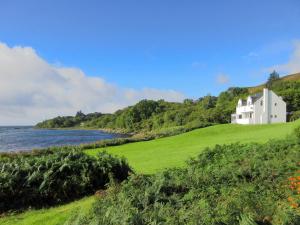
{"x":256,"y":97}
{"x":244,"y":102}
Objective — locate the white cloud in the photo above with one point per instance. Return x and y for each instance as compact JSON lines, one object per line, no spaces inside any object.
{"x":293,"y":65}
{"x":222,"y":78}
{"x":32,"y":90}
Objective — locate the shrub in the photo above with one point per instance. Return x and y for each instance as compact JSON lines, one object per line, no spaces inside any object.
{"x":297,"y":132}
{"x":295,"y":116}
{"x":30,"y":181}
{"x":229,"y":185}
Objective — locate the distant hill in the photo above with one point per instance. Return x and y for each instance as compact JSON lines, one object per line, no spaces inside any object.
{"x":291,"y":77}
{"x":158,"y":116}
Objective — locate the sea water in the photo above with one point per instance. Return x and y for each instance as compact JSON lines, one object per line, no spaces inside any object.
{"x":22,"y":138}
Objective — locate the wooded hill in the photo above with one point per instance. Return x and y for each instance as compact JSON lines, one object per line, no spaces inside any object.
{"x":148,"y":115}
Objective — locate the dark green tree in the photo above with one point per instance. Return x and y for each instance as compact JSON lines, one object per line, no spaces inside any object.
{"x":80,"y":114}
{"x":188,"y":101}
{"x":274,"y":76}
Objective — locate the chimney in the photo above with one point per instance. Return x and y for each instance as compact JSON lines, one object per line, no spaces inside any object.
{"x":266,"y":116}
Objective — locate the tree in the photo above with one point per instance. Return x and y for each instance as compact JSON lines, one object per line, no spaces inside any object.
{"x":188,"y":101}
{"x":274,"y":76}
{"x":80,"y":114}
{"x":208,"y":101}
{"x":237,"y":91}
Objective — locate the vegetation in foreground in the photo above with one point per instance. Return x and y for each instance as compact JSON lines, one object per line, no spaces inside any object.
{"x":237,"y":184}
{"x":218,"y":134}
{"x":156,"y":155}
{"x":153,"y":116}
{"x":49,"y":179}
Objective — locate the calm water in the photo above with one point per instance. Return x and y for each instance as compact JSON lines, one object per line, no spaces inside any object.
{"x":27,"y":138}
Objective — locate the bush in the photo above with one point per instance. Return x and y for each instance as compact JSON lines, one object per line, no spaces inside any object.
{"x":295,"y":116}
{"x":30,"y":181}
{"x":297,"y":132}
{"x":229,"y":185}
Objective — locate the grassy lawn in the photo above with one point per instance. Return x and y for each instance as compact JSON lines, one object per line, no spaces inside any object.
{"x":52,"y":216}
{"x":155,"y":155}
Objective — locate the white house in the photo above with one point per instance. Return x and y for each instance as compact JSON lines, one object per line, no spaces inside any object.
{"x":262,"y":108}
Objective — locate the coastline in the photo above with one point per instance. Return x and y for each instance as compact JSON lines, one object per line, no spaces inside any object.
{"x":105,"y":130}
{"x":29,"y":145}
{"x":125,"y":137}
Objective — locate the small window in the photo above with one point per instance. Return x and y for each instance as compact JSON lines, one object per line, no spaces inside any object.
{"x":261,"y":102}
{"x":275,"y":116}
{"x":271,"y":116}
{"x":240,"y":116}
{"x":275,"y":104}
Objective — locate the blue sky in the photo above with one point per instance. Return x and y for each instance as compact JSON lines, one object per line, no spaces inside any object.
{"x":193,"y":47}
{"x":157,"y":43}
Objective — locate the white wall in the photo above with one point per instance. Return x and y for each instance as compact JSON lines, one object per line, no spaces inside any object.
{"x":258,"y":111}
{"x":277,"y":113}
{"x":243,"y":109}
{"x":273,"y":110}
{"x":263,"y":113}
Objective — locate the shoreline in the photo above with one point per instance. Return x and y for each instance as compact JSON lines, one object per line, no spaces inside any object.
{"x":125,"y":137}
{"x":105,"y":130}
{"x":118,"y":135}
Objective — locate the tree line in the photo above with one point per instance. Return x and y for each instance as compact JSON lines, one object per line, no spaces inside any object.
{"x":149,"y":115}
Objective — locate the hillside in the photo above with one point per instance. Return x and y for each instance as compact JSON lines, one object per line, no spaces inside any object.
{"x":292,"y":77}
{"x":236,"y":184}
{"x":154,"y":116}
{"x":156,"y":155}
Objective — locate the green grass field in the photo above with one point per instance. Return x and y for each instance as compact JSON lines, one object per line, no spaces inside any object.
{"x":52,"y":216}
{"x":155,"y":155}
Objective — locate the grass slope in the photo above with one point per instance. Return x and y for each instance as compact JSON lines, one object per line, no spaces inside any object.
{"x":52,"y":216}
{"x":151,"y":156}
{"x":155,"y":155}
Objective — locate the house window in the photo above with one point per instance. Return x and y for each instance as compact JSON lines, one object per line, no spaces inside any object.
{"x":261,"y":102}
{"x":275,"y":104}
{"x":275,"y":116}
{"x":271,"y":116}
{"x":240,"y":116}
